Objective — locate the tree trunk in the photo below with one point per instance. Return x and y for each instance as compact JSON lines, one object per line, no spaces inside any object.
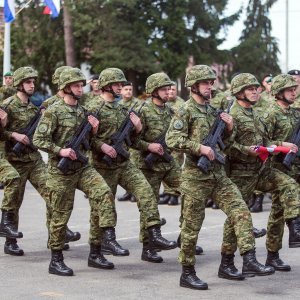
{"x":69,"y":38}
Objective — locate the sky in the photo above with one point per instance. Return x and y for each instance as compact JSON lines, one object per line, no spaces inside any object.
{"x":278,"y":18}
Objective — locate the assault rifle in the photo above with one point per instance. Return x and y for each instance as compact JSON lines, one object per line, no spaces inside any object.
{"x":152,"y":158}
{"x":79,"y":138}
{"x":213,"y":139}
{"x":295,"y":139}
{"x":19,"y":148}
{"x":122,"y":135}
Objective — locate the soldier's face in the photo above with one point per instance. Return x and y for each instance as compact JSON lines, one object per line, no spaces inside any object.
{"x":126,"y":92}
{"x":28,"y":86}
{"x":163,"y":93}
{"x":8,"y":80}
{"x":172,"y":92}
{"x":205,"y":87}
{"x":77,"y":88}
{"x":117,"y":87}
{"x":94,"y":85}
{"x":251,"y":93}
{"x":297,"y":78}
{"x":290,"y":94}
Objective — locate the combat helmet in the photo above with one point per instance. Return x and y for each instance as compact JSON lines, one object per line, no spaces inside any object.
{"x":68,"y":76}
{"x":111,"y":75}
{"x":242,"y":81}
{"x":198,"y":73}
{"x":281,"y":82}
{"x":24,"y":73}
{"x":57,"y":72}
{"x":157,"y":80}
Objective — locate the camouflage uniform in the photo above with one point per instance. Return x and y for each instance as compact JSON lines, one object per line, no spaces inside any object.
{"x":188,"y":128}
{"x":57,"y":126}
{"x":249,"y":173}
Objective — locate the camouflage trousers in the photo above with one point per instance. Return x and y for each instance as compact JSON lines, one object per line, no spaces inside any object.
{"x":36,"y":173}
{"x":179,"y":158}
{"x":133,"y":181}
{"x":11,"y":180}
{"x":285,"y":199}
{"x":195,"y":192}
{"x":62,"y":192}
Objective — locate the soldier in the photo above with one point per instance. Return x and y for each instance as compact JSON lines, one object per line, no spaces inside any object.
{"x":188,"y":128}
{"x":57,"y":126}
{"x":122,"y":171}
{"x":29,"y":164}
{"x":95,"y":91}
{"x":7,"y":89}
{"x":248,"y":172}
{"x":169,"y":195}
{"x":11,"y":178}
{"x":296,"y":76}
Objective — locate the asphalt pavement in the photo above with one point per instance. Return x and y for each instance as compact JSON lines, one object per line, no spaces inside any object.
{"x":27,"y":277}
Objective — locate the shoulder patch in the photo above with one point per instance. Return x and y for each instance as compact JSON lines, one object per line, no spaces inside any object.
{"x":43,"y":128}
{"x":178,"y":124}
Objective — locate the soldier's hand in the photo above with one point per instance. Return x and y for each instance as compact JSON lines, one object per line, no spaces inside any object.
{"x":208,"y":152}
{"x":94,"y":123}
{"x":68,"y":152}
{"x":136,"y":121}
{"x":252,"y":152}
{"x":156,"y":148}
{"x":228,"y":120}
{"x":109,"y":150}
{"x":22,"y":138}
{"x":292,"y":146}
{"x":3,"y":117}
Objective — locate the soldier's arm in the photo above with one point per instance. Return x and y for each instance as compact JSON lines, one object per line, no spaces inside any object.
{"x":177,"y":137}
{"x":42,"y":137}
{"x":270,"y":120}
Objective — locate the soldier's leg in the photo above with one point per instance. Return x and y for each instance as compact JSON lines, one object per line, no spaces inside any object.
{"x":135,"y":182}
{"x":101,"y":201}
{"x":109,"y":245}
{"x":238,"y":223}
{"x":11,"y":178}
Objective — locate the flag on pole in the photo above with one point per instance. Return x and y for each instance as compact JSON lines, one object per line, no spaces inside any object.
{"x":9,"y":10}
{"x":54,"y":6}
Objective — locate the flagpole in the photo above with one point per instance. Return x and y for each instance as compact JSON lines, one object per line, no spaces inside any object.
{"x":6,"y":50}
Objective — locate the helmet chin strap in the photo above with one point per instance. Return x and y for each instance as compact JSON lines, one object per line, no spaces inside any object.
{"x":73,"y":95}
{"x":22,"y":90}
{"x":110,"y":90}
{"x":285,"y":100}
{"x":196,"y":91}
{"x":245,"y":99}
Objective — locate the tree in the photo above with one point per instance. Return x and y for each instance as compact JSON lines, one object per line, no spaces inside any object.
{"x":258,"y":50}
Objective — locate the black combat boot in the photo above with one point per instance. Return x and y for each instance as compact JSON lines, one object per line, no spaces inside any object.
{"x":157,"y":241}
{"x":125,"y":197}
{"x":252,"y":267}
{"x":209,"y":203}
{"x":258,"y":233}
{"x":11,"y":247}
{"x":8,"y":227}
{"x":258,"y":204}
{"x":1,"y":186}
{"x":132,"y":198}
{"x":294,"y":229}
{"x":57,"y":265}
{"x":72,"y":236}
{"x":150,"y":254}
{"x":97,"y":260}
{"x":199,"y":250}
{"x":110,"y":245}
{"x":227,"y":268}
{"x":164,"y":199}
{"x":173,"y":200}
{"x":275,"y":261}
{"x":163,"y":221}
{"x":215,"y":206}
{"x":190,"y":280}
{"x":251,"y":201}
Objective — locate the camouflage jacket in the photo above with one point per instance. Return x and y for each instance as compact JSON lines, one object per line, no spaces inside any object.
{"x":19,"y":116}
{"x":297,"y":102}
{"x":265,"y":102}
{"x":250,"y":129}
{"x":51,"y":101}
{"x":155,"y":122}
{"x":111,"y":117}
{"x":129,"y":103}
{"x":87,"y":98}
{"x":57,"y":126}
{"x":188,"y":129}
{"x":176,"y":103}
{"x":281,"y":124}
{"x":6,"y":91}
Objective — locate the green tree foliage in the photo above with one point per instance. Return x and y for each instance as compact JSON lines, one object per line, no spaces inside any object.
{"x":258,"y":51}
